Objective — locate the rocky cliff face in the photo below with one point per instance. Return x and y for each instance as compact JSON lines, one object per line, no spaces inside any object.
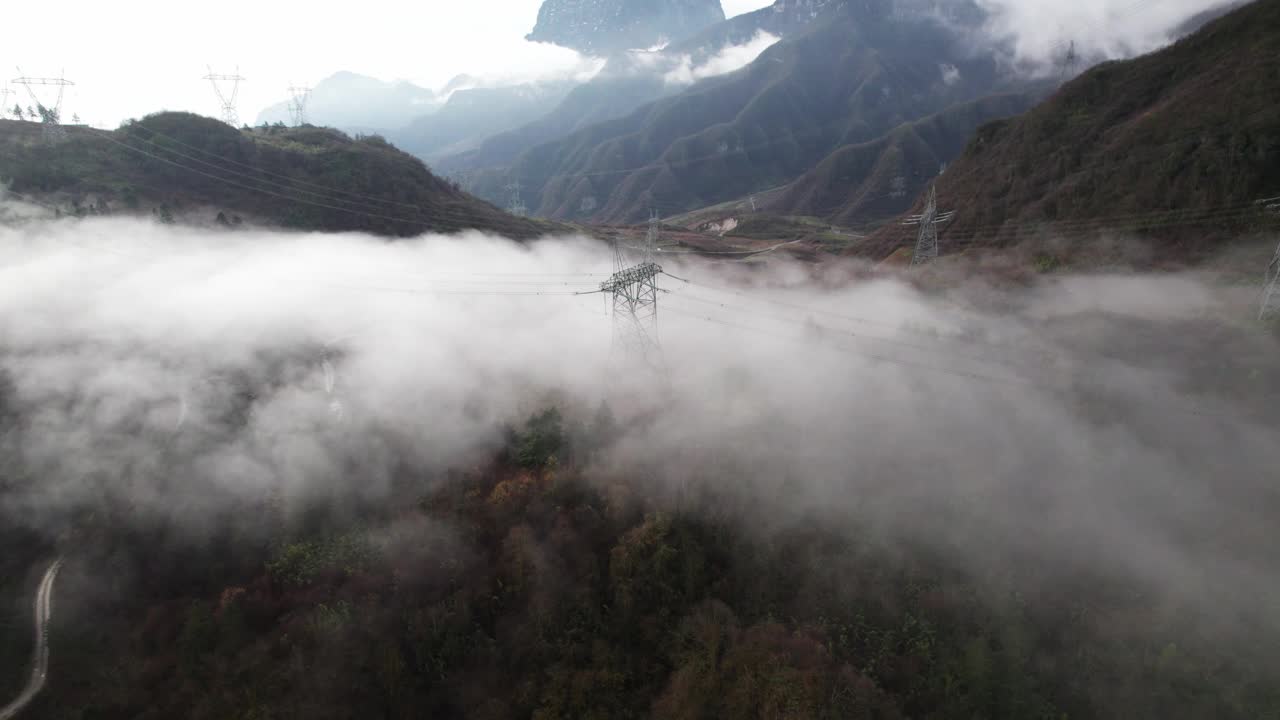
{"x":604,"y":26}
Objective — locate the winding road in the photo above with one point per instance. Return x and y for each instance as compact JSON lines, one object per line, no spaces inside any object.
{"x":40,"y":659}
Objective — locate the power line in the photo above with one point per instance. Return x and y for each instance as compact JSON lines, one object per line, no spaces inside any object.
{"x":327,"y":189}
{"x":924,"y":366}
{"x":420,"y":223}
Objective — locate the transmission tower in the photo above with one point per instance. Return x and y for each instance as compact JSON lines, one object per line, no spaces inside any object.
{"x":635,"y":305}
{"x":927,"y":238}
{"x":50,"y":114}
{"x":1270,"y":307}
{"x":226,"y":100}
{"x":1067,"y":65}
{"x":298,"y":97}
{"x":5,"y":94}
{"x":517,"y":204}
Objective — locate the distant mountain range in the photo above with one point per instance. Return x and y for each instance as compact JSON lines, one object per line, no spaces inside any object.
{"x":187,"y":168}
{"x":1176,"y":145}
{"x":631,"y":79}
{"x":847,"y":74}
{"x":473,"y":114}
{"x":358,"y":103}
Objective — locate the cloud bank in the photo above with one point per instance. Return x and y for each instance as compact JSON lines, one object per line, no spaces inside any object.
{"x":1039,"y":33}
{"x":176,"y":375}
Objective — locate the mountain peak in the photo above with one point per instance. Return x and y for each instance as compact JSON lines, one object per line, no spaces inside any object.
{"x":604,"y":26}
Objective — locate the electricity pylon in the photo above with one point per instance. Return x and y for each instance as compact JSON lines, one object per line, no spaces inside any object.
{"x":50,"y":115}
{"x":927,"y":239}
{"x":5,"y":94}
{"x":226,"y":100}
{"x":1067,"y":65}
{"x":1270,"y":307}
{"x":298,"y":97}
{"x":517,"y":204}
{"x":635,"y":305}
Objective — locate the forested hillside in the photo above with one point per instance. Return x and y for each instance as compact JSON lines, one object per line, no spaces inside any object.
{"x":535,"y":587}
{"x":178,"y":166}
{"x":861,"y":184}
{"x":1176,"y":145}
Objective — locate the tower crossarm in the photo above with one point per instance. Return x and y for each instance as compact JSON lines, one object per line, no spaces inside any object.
{"x":631,"y":276}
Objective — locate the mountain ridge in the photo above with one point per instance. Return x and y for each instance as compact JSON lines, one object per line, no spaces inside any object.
{"x":1153,"y":142}
{"x":183,"y":166}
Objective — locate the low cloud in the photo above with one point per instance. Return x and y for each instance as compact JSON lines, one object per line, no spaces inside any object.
{"x":1039,"y":33}
{"x":176,"y":374}
{"x":728,"y":59}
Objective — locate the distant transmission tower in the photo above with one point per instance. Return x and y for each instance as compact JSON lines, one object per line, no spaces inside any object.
{"x":50,"y":114}
{"x":298,"y":97}
{"x":635,"y":304}
{"x":927,"y":239}
{"x":1067,"y":65}
{"x":1270,"y":307}
{"x":5,"y":94}
{"x":517,"y":204}
{"x":227,"y":100}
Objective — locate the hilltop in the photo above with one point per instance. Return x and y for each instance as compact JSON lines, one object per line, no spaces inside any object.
{"x":1175,"y":145}
{"x":195,"y":169}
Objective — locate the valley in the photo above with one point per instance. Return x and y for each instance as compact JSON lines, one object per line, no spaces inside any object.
{"x":804,"y":359}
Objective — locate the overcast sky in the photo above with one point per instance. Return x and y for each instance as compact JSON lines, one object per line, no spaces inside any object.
{"x":133,"y":57}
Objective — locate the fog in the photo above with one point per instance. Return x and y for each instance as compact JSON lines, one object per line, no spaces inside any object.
{"x":1039,"y":32}
{"x":1119,"y":422}
{"x":728,"y":59}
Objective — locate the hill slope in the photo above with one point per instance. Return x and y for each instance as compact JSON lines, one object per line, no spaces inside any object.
{"x":870,"y":181}
{"x":194,"y":168}
{"x":1177,"y":140}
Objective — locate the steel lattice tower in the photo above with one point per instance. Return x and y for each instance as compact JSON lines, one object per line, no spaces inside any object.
{"x":226,"y":100}
{"x":1067,"y":65}
{"x":5,"y":94}
{"x":927,"y":238}
{"x":298,"y":97}
{"x":1270,"y":307}
{"x":50,"y":115}
{"x":517,"y":204}
{"x":635,"y":305}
